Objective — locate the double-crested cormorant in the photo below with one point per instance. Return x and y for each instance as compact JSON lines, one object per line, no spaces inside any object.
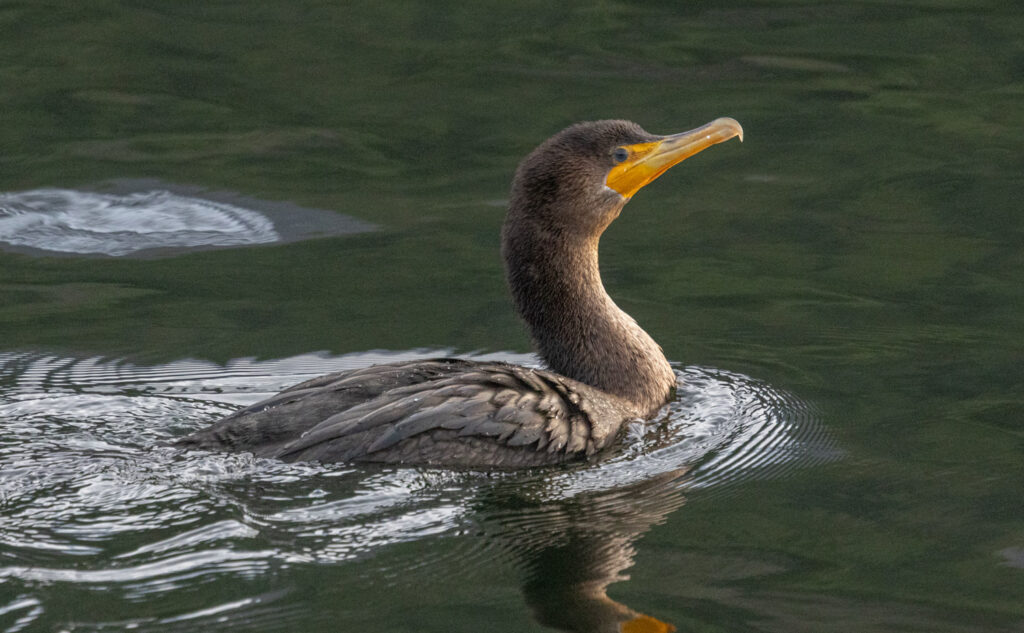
{"x":604,"y":369}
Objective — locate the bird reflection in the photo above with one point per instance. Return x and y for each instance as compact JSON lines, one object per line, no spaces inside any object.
{"x":572,"y":549}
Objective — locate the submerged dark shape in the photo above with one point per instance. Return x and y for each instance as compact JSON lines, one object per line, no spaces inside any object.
{"x":604,"y":369}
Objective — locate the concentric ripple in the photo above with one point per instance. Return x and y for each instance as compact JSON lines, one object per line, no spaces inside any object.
{"x":93,"y":499}
{"x":70,"y":221}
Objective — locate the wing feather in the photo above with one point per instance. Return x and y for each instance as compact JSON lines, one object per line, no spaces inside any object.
{"x":446,"y":411}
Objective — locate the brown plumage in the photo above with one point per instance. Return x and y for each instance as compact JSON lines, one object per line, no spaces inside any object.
{"x":604,"y":369}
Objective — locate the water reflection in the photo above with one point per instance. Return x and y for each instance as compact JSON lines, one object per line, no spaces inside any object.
{"x":95,"y":502}
{"x":132,"y":217}
{"x":571,"y":550}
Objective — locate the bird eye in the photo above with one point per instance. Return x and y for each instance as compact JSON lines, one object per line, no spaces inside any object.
{"x":620,"y":154}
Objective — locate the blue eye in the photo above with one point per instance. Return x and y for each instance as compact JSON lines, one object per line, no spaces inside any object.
{"x":620,"y":154}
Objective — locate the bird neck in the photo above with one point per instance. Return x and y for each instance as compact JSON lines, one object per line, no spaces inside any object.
{"x":578,"y":330}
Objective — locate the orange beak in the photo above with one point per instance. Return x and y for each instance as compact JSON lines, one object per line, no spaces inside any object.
{"x":647,"y":161}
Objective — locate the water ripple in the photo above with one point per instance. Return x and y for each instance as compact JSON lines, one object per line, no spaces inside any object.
{"x":92,"y":496}
{"x":70,"y":221}
{"x":25,"y":609}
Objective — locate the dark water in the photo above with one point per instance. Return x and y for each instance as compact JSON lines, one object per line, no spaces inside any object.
{"x":843,"y":293}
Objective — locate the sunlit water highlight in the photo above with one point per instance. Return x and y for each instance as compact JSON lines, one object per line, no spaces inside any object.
{"x":92,"y":497}
{"x":83,"y":222}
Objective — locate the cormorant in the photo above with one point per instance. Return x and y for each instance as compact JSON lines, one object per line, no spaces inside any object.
{"x":603,"y":371}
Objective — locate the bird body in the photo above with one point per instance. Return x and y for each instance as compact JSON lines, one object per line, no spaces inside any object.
{"x":449,"y":412}
{"x":604,"y":369}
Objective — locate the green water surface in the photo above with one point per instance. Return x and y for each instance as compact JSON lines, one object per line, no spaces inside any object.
{"x":863,"y":249}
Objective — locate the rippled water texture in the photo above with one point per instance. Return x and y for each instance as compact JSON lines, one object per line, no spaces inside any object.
{"x":95,"y":503}
{"x":845,"y":289}
{"x":151,"y":218}
{"x":70,"y":221}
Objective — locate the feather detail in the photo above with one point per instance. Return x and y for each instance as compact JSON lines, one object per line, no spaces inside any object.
{"x":452,"y":412}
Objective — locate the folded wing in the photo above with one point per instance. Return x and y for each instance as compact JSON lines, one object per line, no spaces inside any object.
{"x":447,"y":411}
